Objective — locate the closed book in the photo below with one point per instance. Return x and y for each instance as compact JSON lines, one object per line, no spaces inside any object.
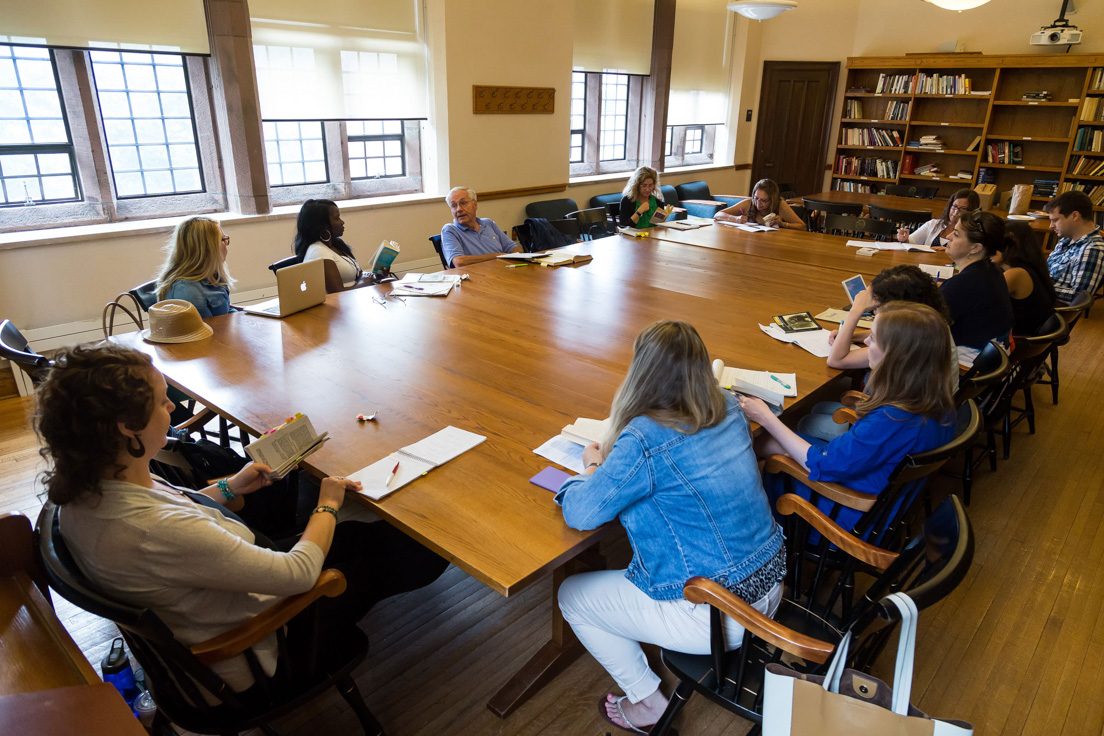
{"x":908,"y":164}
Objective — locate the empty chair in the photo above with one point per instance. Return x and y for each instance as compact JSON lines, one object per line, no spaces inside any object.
{"x":991,"y":366}
{"x":284,"y":263}
{"x":592,"y":222}
{"x":670,"y":196}
{"x":814,"y":208}
{"x":859,"y":226}
{"x":910,"y":219}
{"x":910,"y":190}
{"x":14,"y":347}
{"x":612,"y":203}
{"x":436,"y":241}
{"x":568,"y":227}
{"x":695,"y":197}
{"x":551,"y":209}
{"x":1072,"y":314}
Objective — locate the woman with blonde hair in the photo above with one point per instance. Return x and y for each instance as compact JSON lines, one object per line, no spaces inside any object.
{"x":908,"y":408}
{"x":677,"y":468}
{"x":195,"y":268}
{"x":640,"y":200}
{"x":765,"y":207}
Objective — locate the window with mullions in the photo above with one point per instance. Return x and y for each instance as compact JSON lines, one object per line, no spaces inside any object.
{"x":36,"y":151}
{"x":295,"y":152}
{"x":376,"y":149}
{"x":695,"y":136}
{"x":578,"y":116}
{"x":147,"y":116}
{"x":615,"y":117}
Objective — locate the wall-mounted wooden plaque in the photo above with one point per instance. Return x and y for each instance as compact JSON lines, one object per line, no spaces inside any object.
{"x":487,"y":99}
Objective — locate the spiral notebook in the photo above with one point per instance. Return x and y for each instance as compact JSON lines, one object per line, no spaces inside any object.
{"x":414,"y":461}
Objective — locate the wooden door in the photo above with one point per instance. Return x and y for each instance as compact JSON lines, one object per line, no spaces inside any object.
{"x":795,"y":118}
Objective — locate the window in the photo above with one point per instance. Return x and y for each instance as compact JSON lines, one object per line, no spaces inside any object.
{"x":578,"y":116}
{"x":667,"y":142}
{"x":691,"y":145}
{"x":376,"y":149}
{"x":294,"y":152}
{"x":37,"y":164}
{"x":147,"y":116}
{"x":615,"y":117}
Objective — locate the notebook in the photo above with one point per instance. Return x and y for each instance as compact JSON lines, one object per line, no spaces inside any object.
{"x":300,"y":287}
{"x":415,"y":461}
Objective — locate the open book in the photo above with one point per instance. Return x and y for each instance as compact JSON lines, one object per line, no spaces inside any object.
{"x":566,"y":448}
{"x":384,"y":256}
{"x":770,"y":387}
{"x":565,"y":259}
{"x":585,"y":431}
{"x":524,"y":256}
{"x":285,"y":446}
{"x":414,"y":461}
{"x":688,"y":224}
{"x":893,"y":245}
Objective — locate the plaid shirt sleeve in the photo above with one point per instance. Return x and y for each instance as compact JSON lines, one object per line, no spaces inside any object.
{"x":1085,"y":271}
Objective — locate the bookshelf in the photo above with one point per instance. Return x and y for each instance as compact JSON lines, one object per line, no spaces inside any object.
{"x":1023,"y":138}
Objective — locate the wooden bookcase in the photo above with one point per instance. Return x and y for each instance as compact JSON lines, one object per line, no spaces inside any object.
{"x":1044,"y":132}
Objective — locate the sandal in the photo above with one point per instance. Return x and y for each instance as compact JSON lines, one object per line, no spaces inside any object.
{"x":620,"y":712}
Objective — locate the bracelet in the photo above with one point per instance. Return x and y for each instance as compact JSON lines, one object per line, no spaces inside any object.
{"x":325,"y":510}
{"x":224,"y":486}
{"x":592,"y":465}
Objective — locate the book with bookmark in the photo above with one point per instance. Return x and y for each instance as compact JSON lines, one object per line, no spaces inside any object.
{"x":282,"y":448}
{"x":413,"y":461}
{"x":771,"y":387}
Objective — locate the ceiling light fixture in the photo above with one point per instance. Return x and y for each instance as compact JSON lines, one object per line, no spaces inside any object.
{"x":958,"y":5}
{"x":762,"y":9}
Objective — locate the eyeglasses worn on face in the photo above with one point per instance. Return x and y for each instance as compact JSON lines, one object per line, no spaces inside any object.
{"x":225,"y":240}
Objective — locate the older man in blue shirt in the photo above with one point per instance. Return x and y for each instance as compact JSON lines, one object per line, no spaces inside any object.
{"x":469,"y":239}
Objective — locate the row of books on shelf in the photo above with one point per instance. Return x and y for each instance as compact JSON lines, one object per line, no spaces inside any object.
{"x":925,"y":84}
{"x":1005,"y":152}
{"x":1093,"y":110}
{"x":883,"y":168}
{"x":895,"y":110}
{"x":843,"y":185}
{"x":1094,"y":193}
{"x":1044,"y":188}
{"x":986,"y":176}
{"x":929,"y":142}
{"x":871,"y":137}
{"x":1086,"y":166}
{"x":1089,"y":139}
{"x":1096,"y":84}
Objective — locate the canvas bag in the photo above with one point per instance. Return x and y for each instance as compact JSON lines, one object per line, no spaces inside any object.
{"x":846,"y":702}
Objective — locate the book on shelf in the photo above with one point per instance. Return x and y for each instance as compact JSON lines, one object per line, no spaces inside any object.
{"x":1089,"y":139}
{"x":908,"y":164}
{"x":772,"y":388}
{"x":283,"y":447}
{"x":409,"y":463}
{"x":927,"y":170}
{"x":974,"y":144}
{"x":1087,"y":166}
{"x":1042,"y":96}
{"x":1096,"y":84}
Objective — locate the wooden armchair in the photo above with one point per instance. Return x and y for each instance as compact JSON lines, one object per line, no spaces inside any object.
{"x":179,"y":676}
{"x":928,"y":568}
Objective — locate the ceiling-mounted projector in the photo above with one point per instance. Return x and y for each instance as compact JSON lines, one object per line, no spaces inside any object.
{"x":1058,"y":33}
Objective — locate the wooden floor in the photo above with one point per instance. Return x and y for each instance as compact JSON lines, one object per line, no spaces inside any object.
{"x":1017,"y":649}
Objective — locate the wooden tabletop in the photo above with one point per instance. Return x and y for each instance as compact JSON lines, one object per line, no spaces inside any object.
{"x":88,"y":710}
{"x":516,"y":354}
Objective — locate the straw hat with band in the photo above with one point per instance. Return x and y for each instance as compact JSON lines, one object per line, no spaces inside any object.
{"x":175,"y":320}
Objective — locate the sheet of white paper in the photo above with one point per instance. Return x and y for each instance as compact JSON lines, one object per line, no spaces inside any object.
{"x":762,"y":379}
{"x":777,"y":332}
{"x":939,"y":273}
{"x":966,"y":356}
{"x":563,"y":451}
{"x":402,"y":288}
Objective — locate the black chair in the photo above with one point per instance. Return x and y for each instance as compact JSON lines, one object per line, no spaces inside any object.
{"x":571,"y":228}
{"x":284,"y":263}
{"x":786,"y":190}
{"x":670,"y":196}
{"x":859,"y":226}
{"x":592,"y":223}
{"x":146,"y":294}
{"x":990,"y":367}
{"x":612,"y":203}
{"x":911,"y":219}
{"x":909,"y":190}
{"x":928,"y":569}
{"x":695,"y":197}
{"x":436,"y":240}
{"x":815,"y":206}
{"x":14,"y":347}
{"x":1072,"y":314}
{"x":1029,"y":358}
{"x":177,"y":674}
{"x":551,"y":209}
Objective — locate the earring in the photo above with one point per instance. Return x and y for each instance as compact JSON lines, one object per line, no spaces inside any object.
{"x":138,"y":451}
{"x":324,"y":236}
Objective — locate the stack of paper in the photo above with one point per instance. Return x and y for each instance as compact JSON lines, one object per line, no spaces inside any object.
{"x":750,"y":227}
{"x":687,"y":224}
{"x":524,"y":256}
{"x":894,"y":245}
{"x":431,"y":278}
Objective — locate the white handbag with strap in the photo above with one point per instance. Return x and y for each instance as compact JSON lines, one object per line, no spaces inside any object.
{"x":846,"y":702}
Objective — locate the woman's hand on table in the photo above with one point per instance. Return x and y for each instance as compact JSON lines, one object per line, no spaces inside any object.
{"x":592,"y":455}
{"x":332,"y":491}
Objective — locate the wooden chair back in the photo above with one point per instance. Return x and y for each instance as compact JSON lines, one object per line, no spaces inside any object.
{"x":911,"y":190}
{"x":859,"y":227}
{"x":990,"y":367}
{"x":911,"y":219}
{"x":816,"y":209}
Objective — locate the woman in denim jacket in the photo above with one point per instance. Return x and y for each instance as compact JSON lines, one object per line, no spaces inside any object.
{"x":678,"y":470}
{"x":195,"y":269}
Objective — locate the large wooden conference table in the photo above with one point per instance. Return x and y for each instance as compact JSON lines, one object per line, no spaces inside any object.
{"x":515,"y":354}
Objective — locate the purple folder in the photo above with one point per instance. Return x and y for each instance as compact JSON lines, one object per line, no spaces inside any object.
{"x":550,"y":478}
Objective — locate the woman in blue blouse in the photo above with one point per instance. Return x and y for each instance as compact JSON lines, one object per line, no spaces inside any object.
{"x":195,"y":269}
{"x":908,"y":409}
{"x":678,"y":470}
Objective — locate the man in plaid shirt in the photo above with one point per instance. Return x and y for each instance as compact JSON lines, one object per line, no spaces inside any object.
{"x":1077,"y":261}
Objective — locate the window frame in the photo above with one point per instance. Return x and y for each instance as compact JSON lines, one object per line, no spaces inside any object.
{"x":676,"y":136}
{"x":592,"y":130}
{"x":581,"y":132}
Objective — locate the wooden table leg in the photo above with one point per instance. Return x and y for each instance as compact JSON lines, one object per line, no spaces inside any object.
{"x":555,"y":656}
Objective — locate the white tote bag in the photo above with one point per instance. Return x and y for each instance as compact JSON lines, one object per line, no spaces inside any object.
{"x":846,"y":702}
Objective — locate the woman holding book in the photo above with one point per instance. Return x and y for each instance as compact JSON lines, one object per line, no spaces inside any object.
{"x":981,"y":307}
{"x":765,"y":207}
{"x":641,"y":200}
{"x":677,"y":468}
{"x":318,"y":232}
{"x":908,"y":408}
{"x":1029,"y":284}
{"x":937,"y":232}
{"x":102,"y":415}
{"x":195,"y":268}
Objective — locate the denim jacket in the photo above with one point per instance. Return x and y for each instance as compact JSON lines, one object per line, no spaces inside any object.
{"x":692,"y":504}
{"x":209,"y":300}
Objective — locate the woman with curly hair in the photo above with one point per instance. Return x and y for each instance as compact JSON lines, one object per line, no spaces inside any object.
{"x":641,"y":199}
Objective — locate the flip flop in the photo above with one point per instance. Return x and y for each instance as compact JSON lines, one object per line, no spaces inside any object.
{"x":631,"y":729}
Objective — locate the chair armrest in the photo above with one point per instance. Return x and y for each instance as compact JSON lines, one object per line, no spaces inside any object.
{"x":844,"y":415}
{"x":832,"y":491}
{"x":852,"y":398}
{"x":704,"y":590}
{"x":195,"y":422}
{"x":791,"y":503}
{"x":330,"y":584}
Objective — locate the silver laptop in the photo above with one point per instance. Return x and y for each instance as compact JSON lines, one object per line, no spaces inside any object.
{"x":299,"y":287}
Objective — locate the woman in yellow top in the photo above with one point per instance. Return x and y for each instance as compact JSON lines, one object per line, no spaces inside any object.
{"x":765,"y":207}
{"x":641,"y":199}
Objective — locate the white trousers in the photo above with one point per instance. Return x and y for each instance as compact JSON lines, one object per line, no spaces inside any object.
{"x":611,"y":616}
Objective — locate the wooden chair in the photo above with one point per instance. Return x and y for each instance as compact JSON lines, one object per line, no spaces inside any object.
{"x":857,"y":227}
{"x":1029,"y":357}
{"x":928,"y":568}
{"x":911,"y":219}
{"x":14,"y":347}
{"x":177,"y":674}
{"x":991,"y":366}
{"x":436,"y":241}
{"x":815,"y":206}
{"x":551,"y":209}
{"x":910,"y":190}
{"x":1072,"y":314}
{"x":592,"y":222}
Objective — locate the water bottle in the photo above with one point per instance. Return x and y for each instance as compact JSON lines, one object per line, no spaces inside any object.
{"x":116,"y":670}
{"x":145,"y":708}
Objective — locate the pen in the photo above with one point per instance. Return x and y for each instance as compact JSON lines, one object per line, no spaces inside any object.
{"x":414,"y":288}
{"x":517,"y":265}
{"x":392,"y":476}
{"x":784,"y":384}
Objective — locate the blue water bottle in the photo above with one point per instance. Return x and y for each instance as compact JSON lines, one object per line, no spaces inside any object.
{"x":116,"y":670}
